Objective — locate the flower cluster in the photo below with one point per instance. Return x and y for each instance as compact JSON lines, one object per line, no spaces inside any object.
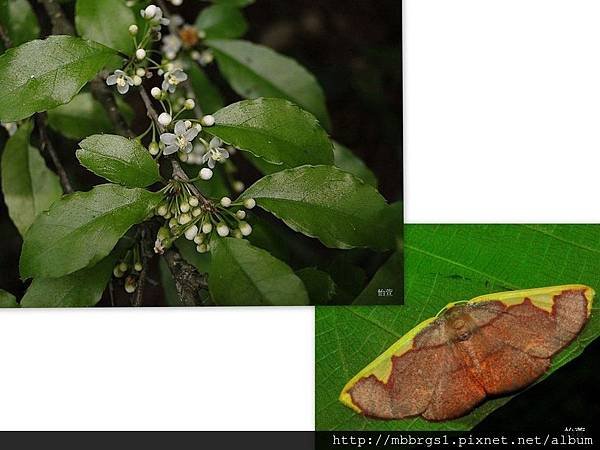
{"x":129,"y":267}
{"x":199,"y":219}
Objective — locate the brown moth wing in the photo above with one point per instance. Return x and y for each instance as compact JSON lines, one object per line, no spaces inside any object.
{"x":470,"y":352}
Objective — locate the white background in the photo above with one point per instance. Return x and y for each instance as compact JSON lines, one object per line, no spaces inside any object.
{"x":502,"y":111}
{"x":502,"y":125}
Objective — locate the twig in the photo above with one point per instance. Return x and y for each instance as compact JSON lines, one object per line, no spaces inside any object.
{"x":46,"y":145}
{"x":188,"y":281}
{"x":150,"y":111}
{"x":105,"y":97}
{"x":138,"y":299}
{"x":60,"y":23}
{"x":5,"y":37}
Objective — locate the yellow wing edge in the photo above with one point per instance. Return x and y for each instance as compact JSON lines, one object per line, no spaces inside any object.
{"x":381,"y":366}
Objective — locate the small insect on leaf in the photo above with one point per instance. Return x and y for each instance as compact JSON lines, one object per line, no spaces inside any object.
{"x":492,"y":345}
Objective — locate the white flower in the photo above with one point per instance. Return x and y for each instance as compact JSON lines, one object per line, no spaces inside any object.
{"x":156,"y":93}
{"x":181,"y":140}
{"x":172,"y":79}
{"x":171,"y":46}
{"x":121,"y":79}
{"x":215,"y":153}
{"x":226,"y":202}
{"x":140,"y":53}
{"x":189,"y":103}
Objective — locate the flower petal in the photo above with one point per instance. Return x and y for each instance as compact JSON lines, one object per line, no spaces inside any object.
{"x":111,"y":79}
{"x":188,"y":147}
{"x":215,"y":142}
{"x":168,"y":138}
{"x":170,"y":149}
{"x":191,"y":134}
{"x":180,"y":128}
{"x":122,"y":88}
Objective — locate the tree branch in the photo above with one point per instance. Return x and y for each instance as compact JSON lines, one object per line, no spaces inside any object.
{"x":6,"y":41}
{"x":188,"y":281}
{"x":60,"y":23}
{"x":46,"y":145}
{"x":138,"y":299}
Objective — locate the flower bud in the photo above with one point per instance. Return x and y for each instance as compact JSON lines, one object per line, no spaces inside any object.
{"x":191,"y":232}
{"x":207,"y":228}
{"x":226,"y":202}
{"x":138,"y":267}
{"x":130,"y":285}
{"x":241,"y":214}
{"x":196,"y":212}
{"x":183,"y":157}
{"x":184,"y":218}
{"x":117,"y":272}
{"x":140,"y":53}
{"x":202,"y":248}
{"x":206,"y":173}
{"x":199,"y":238}
{"x":133,"y":29}
{"x":198,"y":127}
{"x":245,"y":228}
{"x":149,"y":12}
{"x":153,"y":148}
{"x":140,"y":71}
{"x":162,"y":210}
{"x":193,"y":201}
{"x":238,"y":186}
{"x":184,"y":207}
{"x":237,"y":234}
{"x":123,"y":266}
{"x":222,"y":229}
{"x":164,"y":119}
{"x":208,"y":121}
{"x":249,"y":203}
{"x":137,"y":80}
{"x":189,"y":104}
{"x":172,"y":222}
{"x":156,"y":92}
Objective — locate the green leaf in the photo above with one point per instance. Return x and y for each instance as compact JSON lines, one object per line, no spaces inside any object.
{"x":222,"y":22}
{"x":7,"y":300}
{"x":256,"y":71}
{"x":388,"y":277}
{"x":79,"y":289}
{"x":19,"y":21}
{"x":319,"y":285}
{"x":82,"y":228}
{"x":29,"y":187}
{"x":348,"y":161}
{"x":83,"y":116}
{"x":187,"y":249}
{"x":105,"y":21}
{"x":326,"y":203}
{"x":207,"y":95}
{"x":118,"y":159}
{"x":43,"y":74}
{"x":245,"y":275}
{"x":275,"y":130}
{"x":445,"y":263}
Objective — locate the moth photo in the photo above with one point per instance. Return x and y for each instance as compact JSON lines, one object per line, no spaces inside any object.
{"x":199,"y":153}
{"x":491,"y":313}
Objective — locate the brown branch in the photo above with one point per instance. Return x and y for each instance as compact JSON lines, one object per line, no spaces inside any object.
{"x":46,"y":146}
{"x":60,"y":23}
{"x":5,"y":37}
{"x":150,"y":111}
{"x":188,"y":281}
{"x":138,"y":299}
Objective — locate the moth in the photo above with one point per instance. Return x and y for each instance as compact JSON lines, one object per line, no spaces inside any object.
{"x":489,"y":346}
